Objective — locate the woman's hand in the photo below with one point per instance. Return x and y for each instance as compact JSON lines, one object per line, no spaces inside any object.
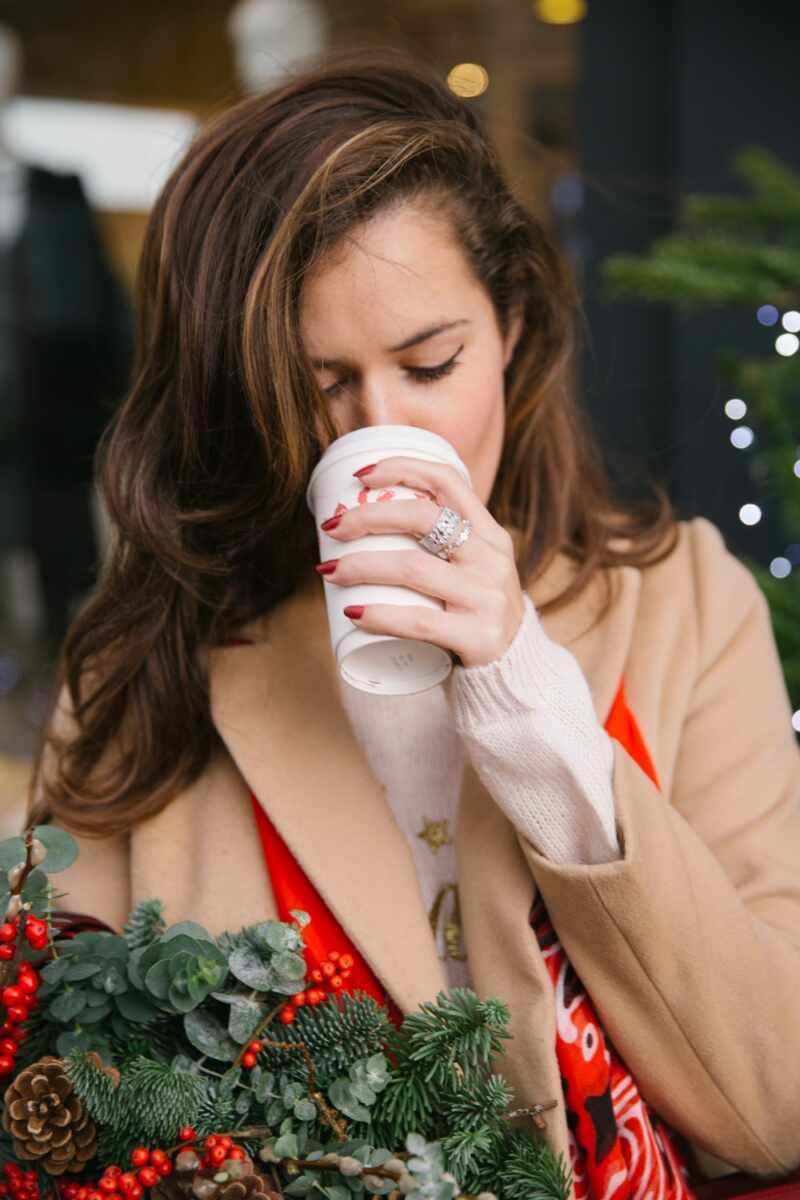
{"x":480,"y":586}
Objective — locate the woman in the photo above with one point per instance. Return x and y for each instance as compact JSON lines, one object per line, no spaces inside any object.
{"x":596,"y":819}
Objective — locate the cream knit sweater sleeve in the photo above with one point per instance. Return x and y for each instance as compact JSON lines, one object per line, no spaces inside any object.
{"x":529,"y":727}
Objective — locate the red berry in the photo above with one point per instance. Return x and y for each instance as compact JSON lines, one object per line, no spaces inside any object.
{"x":28,"y":983}
{"x":108,"y":1184}
{"x":147,"y":1177}
{"x":187,"y":1134}
{"x":136,"y":1192}
{"x":316,"y":975}
{"x":113,"y":1171}
{"x":346,"y":974}
{"x":237,"y":1152}
{"x":7,"y":932}
{"x":287,"y":1015}
{"x":8,"y":1046}
{"x":327,"y":969}
{"x":249,"y":1060}
{"x":346,"y":962}
{"x":298,"y":999}
{"x":6,"y":954}
{"x":140,"y":1157}
{"x":95,"y":1195}
{"x":6,"y":1064}
{"x":255,"y":1047}
{"x":127,"y":1181}
{"x":11,"y":995}
{"x":164,"y":1168}
{"x":158,"y":1156}
{"x":17,"y":1013}
{"x":211,"y":1141}
{"x":17,"y":1034}
{"x":225,"y":1140}
{"x":218,"y":1155}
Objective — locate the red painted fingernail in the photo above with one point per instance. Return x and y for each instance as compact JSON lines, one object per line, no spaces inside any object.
{"x":354,"y":611}
{"x":331,"y":523}
{"x":365,"y":470}
{"x":327,"y":568}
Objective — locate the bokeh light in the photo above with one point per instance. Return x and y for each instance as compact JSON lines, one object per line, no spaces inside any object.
{"x":791,"y":321}
{"x":767,"y":314}
{"x":468,"y":80}
{"x":787,"y":344}
{"x":780,"y":568}
{"x":560,"y":12}
{"x":749,"y":514}
{"x":742,"y":437}
{"x":735,"y":409}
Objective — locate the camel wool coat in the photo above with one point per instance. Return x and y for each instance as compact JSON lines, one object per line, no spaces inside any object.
{"x":688,"y":945}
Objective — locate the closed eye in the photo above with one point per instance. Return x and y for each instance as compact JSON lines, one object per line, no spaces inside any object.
{"x":418,"y":374}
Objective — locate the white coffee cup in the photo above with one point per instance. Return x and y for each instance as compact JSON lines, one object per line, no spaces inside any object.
{"x":375,"y":662}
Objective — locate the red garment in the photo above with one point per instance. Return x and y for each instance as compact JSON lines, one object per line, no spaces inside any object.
{"x":618,"y":1146}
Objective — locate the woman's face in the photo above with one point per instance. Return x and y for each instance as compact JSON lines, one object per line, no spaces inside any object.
{"x":401,"y":333}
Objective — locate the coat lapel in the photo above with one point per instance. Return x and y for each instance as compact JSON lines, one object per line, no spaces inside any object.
{"x":276,"y":705}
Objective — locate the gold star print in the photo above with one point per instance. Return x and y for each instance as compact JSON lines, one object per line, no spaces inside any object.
{"x":436,"y":834}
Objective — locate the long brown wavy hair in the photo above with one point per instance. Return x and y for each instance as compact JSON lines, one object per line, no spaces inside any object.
{"x":204,"y":467}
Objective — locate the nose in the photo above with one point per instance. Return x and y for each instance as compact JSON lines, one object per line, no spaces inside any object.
{"x":376,"y":402}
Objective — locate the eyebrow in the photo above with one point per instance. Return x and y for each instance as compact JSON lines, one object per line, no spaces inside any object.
{"x":422,"y":336}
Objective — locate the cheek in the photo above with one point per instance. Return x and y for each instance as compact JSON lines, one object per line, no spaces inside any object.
{"x":475,"y":422}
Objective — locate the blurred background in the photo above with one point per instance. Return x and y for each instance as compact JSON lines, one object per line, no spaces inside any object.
{"x":657,"y":140}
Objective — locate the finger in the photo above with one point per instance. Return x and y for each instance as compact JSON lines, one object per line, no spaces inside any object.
{"x":417,"y":570}
{"x":450,"y":631}
{"x":447,"y":486}
{"x":400,"y":516}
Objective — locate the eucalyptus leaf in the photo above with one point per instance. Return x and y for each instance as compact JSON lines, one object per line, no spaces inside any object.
{"x":66,"y":1006}
{"x":275,"y":1110}
{"x":290,"y":965}
{"x":12,"y":851}
{"x":79,"y":970}
{"x":286,"y":1146}
{"x":305,"y":1109}
{"x":264,"y":1086}
{"x":301,"y":1186}
{"x":188,"y":928}
{"x":61,"y":847}
{"x":208,"y":1035}
{"x":292,"y":1093}
{"x":158,"y":979}
{"x":135,"y":1008}
{"x":244,"y":1018}
{"x":70,"y":1042}
{"x":342,"y":1097}
{"x":300,"y":916}
{"x":362,"y":1091}
{"x":246,"y":965}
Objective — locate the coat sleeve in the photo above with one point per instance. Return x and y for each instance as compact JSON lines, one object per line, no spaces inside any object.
{"x":689,"y":946}
{"x":98,"y":882}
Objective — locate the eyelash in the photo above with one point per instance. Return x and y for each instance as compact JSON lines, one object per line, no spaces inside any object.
{"x":419,"y":374}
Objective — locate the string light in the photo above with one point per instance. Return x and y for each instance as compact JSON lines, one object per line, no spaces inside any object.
{"x":787,"y":344}
{"x":749,"y":514}
{"x":468,"y":80}
{"x":735,"y":409}
{"x":767,"y":314}
{"x":742,"y":437}
{"x":560,"y":12}
{"x":780,"y":568}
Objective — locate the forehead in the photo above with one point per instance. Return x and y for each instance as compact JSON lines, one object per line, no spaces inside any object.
{"x":388,"y":277}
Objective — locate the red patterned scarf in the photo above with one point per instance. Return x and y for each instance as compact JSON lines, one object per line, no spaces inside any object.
{"x":619,"y":1147}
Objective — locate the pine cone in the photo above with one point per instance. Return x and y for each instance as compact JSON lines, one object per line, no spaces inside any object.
{"x":236,"y":1179}
{"x":48,"y":1122}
